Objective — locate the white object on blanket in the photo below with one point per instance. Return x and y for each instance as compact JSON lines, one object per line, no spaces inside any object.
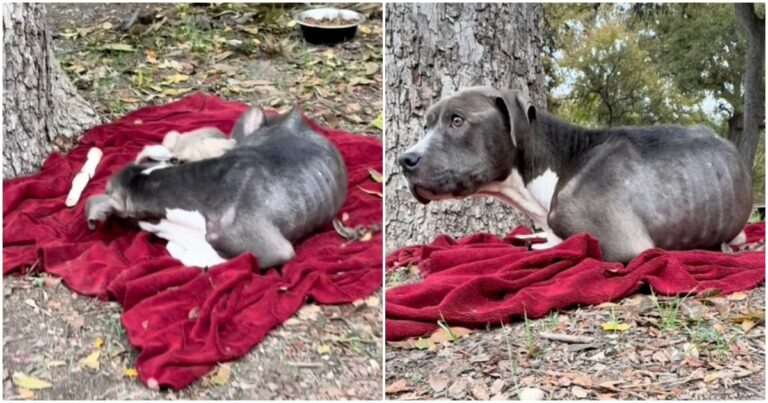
{"x":185,"y":231}
{"x":155,"y":152}
{"x":83,"y":177}
{"x":195,"y":145}
{"x":198,"y":144}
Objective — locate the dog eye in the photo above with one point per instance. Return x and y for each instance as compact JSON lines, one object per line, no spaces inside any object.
{"x":457,"y":121}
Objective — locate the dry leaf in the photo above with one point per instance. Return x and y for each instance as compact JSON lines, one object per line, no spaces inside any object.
{"x":710,"y":377}
{"x":371,"y":192}
{"x":92,"y":361}
{"x":747,"y":325}
{"x":222,"y":375}
{"x":397,"y":387}
{"x":25,"y":393}
{"x":323,"y":349}
{"x":438,"y":383}
{"x":98,"y":343}
{"x":737,"y":296}
{"x":130,"y":373}
{"x":29,"y":382}
{"x":579,"y":392}
{"x":441,"y":335}
{"x":615,"y":327}
{"x":375,"y":175}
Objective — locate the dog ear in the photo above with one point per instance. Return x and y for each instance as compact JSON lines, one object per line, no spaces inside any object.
{"x":519,"y":113}
{"x":250,"y":121}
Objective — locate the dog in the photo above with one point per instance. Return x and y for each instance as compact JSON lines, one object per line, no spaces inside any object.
{"x":279,"y":183}
{"x":633,"y":188}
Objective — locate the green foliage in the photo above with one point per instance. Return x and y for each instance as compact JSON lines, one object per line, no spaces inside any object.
{"x":614,"y":80}
{"x":630,"y":64}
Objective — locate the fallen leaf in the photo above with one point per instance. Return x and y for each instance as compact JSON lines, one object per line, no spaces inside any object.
{"x":371,"y":192}
{"x":375,"y":175}
{"x":54,"y":364}
{"x":92,"y":361}
{"x":441,"y":335}
{"x":737,"y":296}
{"x":98,"y":343}
{"x":479,"y":391}
{"x":323,"y":349}
{"x":250,"y":30}
{"x":710,"y":377}
{"x":222,"y":375}
{"x":438,"y":383}
{"x":175,"y":78}
{"x":398,"y":386}
{"x":747,"y":325}
{"x":25,"y":393}
{"x":29,"y":382}
{"x":371,"y":68}
{"x":615,"y":327}
{"x":579,"y":392}
{"x":118,"y":47}
{"x":379,"y":121}
{"x":692,"y":309}
{"x":130,"y":373}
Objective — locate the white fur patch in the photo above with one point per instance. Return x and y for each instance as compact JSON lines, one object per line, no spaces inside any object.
{"x":185,"y":232}
{"x":542,"y":188}
{"x":421,"y":147}
{"x":513,"y":192}
{"x":155,"y":152}
{"x":155,"y":167}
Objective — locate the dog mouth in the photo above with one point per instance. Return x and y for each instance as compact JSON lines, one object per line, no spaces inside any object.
{"x":425,"y":194}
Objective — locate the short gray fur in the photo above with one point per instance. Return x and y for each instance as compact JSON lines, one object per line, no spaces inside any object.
{"x":633,"y":188}
{"x":279,"y":184}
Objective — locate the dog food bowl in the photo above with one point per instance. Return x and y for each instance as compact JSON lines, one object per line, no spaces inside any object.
{"x":328,"y":26}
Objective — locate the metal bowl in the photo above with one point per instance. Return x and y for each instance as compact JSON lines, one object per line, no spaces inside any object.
{"x":328,"y":34}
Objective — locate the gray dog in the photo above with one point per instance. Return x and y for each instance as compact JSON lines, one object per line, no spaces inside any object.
{"x":279,"y":183}
{"x":633,"y":188}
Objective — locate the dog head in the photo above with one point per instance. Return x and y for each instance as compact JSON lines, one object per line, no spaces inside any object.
{"x":471,"y":140}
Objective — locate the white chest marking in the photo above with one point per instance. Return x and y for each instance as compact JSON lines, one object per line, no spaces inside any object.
{"x":185,"y":232}
{"x":513,"y":191}
{"x":542,"y":188}
{"x":160,"y":165}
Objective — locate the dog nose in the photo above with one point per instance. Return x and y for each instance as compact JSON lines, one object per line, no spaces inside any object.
{"x":409,"y":161}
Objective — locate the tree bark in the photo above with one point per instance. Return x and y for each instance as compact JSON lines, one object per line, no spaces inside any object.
{"x":42,"y":110}
{"x":753,"y":29}
{"x":431,"y":51}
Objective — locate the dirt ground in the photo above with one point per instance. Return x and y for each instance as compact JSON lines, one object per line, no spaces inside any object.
{"x":682,"y":348}
{"x":250,"y":53}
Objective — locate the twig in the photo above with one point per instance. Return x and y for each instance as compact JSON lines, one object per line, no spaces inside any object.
{"x":566,"y":338}
{"x":306,"y":364}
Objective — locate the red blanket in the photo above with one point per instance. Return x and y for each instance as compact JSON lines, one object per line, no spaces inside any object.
{"x":182,"y":320}
{"x":481,"y":279}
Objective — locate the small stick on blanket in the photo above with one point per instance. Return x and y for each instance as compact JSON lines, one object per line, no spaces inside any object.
{"x":81,"y":179}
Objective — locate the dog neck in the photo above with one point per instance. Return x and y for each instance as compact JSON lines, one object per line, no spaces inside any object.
{"x":553,"y":145}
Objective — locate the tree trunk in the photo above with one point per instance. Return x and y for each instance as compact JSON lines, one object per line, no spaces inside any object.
{"x":431,"y":51}
{"x":42,"y":110}
{"x":753,"y":29}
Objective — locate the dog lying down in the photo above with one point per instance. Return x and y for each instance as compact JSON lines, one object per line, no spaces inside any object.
{"x":272,"y":183}
{"x":633,"y":188}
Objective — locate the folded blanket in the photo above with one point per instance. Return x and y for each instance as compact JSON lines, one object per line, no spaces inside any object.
{"x":481,"y":279}
{"x":183,"y":320}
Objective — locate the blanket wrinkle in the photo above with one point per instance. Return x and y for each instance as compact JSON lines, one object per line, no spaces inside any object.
{"x":184,"y":321}
{"x":481,"y":279}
